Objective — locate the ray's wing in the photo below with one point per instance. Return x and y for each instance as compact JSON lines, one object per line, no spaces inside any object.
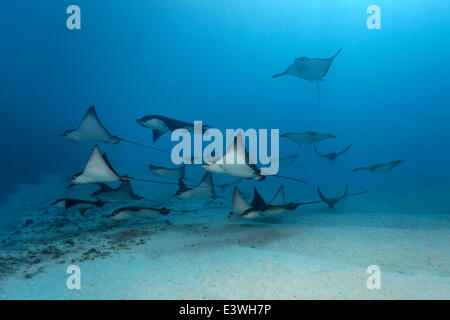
{"x":315,"y":69}
{"x":323,"y":65}
{"x":279,"y":199}
{"x":239,"y":205}
{"x":257,"y":199}
{"x":318,"y":153}
{"x":322,"y":197}
{"x":297,"y":137}
{"x":206,"y":185}
{"x":104,"y":188}
{"x":174,"y":124}
{"x":92,"y":128}
{"x":345,"y":150}
{"x":182,"y":187}
{"x":289,"y":159}
{"x":236,"y":154}
{"x":126,"y":187}
{"x":98,"y":168}
{"x":157,"y":134}
{"x":345,"y":192}
{"x":286,"y":72}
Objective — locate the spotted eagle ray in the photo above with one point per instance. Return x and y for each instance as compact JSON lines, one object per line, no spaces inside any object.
{"x":332,"y":156}
{"x":312,"y":69}
{"x":160,"y":125}
{"x":82,"y":205}
{"x":98,"y":169}
{"x":242,"y":166}
{"x":122,"y":193}
{"x":127,"y":213}
{"x":241,"y":209}
{"x":171,"y":173}
{"x":382,"y":167}
{"x":205,"y":189}
{"x":91,"y":129}
{"x":288,"y":160}
{"x":308,"y":137}
{"x":331,"y":202}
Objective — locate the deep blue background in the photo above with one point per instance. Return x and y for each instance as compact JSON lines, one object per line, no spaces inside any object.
{"x":213,"y":60}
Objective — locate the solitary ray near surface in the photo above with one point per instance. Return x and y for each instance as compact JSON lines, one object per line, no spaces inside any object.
{"x":382,"y":167}
{"x":122,"y":193}
{"x":171,"y":173}
{"x":241,"y":165}
{"x":91,"y":129}
{"x":82,"y":205}
{"x":127,"y":213}
{"x":332,"y":156}
{"x":308,"y":137}
{"x":205,"y":189}
{"x":312,"y":69}
{"x":331,"y":202}
{"x":241,"y":209}
{"x":161,"y":125}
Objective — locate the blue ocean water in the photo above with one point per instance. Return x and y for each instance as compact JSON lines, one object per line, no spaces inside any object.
{"x":386,"y":93}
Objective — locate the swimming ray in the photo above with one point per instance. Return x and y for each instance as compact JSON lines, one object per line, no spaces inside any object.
{"x":241,"y":209}
{"x":122,"y":193}
{"x":311,"y":69}
{"x":288,"y":160}
{"x":205,"y":189}
{"x":381,"y":167}
{"x":237,"y":162}
{"x":91,"y":129}
{"x":171,"y":173}
{"x":308,"y":137}
{"x":98,"y":170}
{"x":331,"y":202}
{"x":82,"y":205}
{"x":161,"y":125}
{"x":127,"y":213}
{"x":332,"y":156}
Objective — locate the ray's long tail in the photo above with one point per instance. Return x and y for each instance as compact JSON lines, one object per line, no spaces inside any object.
{"x":290,"y":178}
{"x":356,"y":194}
{"x":278,"y":75}
{"x":318,"y":89}
{"x":360,"y":169}
{"x":144,"y":145}
{"x":126,"y":178}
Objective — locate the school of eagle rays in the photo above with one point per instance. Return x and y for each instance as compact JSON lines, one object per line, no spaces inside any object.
{"x":99,"y":171}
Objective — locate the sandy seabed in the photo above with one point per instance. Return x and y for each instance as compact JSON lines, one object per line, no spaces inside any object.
{"x":312,"y":253}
